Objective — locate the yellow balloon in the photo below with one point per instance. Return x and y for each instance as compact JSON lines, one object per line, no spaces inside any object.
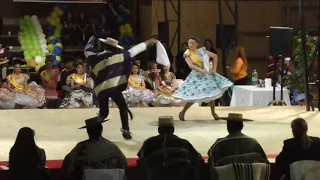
{"x":54,"y":15}
{"x":50,"y":47}
{"x":127,"y":25}
{"x":58,"y":58}
{"x":50,"y":38}
{"x":59,"y":45}
{"x":56,"y":9}
{"x":60,"y":12}
{"x":59,"y":27}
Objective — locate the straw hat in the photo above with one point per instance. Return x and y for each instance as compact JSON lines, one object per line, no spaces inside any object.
{"x":111,"y":42}
{"x":93,"y":122}
{"x":165,"y":121}
{"x":235,"y":117}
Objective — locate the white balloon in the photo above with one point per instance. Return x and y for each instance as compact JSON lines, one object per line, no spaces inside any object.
{"x":41,"y":36}
{"x":43,"y":41}
{"x":38,"y":59}
{"x":45,"y":51}
{"x":34,"y":17}
{"x":44,"y":46}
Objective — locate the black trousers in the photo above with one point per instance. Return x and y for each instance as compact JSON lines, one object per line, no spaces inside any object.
{"x":117,"y":97}
{"x":242,"y":81}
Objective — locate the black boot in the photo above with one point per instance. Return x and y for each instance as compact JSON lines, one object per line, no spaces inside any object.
{"x":124,"y":115}
{"x":126,"y":134}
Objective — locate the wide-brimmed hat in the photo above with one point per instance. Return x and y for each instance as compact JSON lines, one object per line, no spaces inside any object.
{"x":235,"y":117}
{"x":165,"y":121}
{"x":93,"y":122}
{"x":111,"y":42}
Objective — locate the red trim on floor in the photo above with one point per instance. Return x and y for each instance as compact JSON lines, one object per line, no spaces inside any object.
{"x":132,"y":162}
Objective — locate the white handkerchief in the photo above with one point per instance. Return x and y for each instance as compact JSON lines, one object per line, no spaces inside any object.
{"x":205,"y":58}
{"x":162,"y":56}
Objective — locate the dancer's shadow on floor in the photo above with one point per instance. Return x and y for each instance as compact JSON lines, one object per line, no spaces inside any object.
{"x":191,"y":123}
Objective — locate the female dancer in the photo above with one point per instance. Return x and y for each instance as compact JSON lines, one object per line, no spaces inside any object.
{"x":136,"y":92}
{"x":201,"y":85}
{"x":30,"y":95}
{"x":240,"y":67}
{"x":166,"y":85}
{"x":50,"y":77}
{"x":82,"y":90}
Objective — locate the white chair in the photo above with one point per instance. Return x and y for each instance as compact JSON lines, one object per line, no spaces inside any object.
{"x":305,"y":170}
{"x":104,"y":174}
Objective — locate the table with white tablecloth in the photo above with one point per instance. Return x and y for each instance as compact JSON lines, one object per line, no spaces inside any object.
{"x":256,"y":96}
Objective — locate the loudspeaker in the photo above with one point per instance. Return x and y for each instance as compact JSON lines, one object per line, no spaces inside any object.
{"x":163,"y":31}
{"x":228,"y":32}
{"x":281,"y":41}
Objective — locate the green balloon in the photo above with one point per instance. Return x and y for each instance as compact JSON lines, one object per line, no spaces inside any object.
{"x":34,"y":53}
{"x":27,"y":58}
{"x":26,"y":53}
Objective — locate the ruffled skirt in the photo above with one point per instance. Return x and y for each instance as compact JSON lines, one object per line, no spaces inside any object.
{"x":202,"y":88}
{"x":7,"y":99}
{"x":76,"y":98}
{"x":132,"y":95}
{"x":34,"y":98}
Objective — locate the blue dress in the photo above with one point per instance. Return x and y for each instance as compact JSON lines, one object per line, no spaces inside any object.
{"x":201,"y":87}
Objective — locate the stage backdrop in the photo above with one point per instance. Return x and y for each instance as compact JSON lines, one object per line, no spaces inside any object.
{"x":64,"y":1}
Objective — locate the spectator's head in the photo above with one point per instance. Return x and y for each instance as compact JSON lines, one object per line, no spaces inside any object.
{"x":70,"y":15}
{"x":239,"y":52}
{"x":82,"y":16}
{"x":49,"y":62}
{"x":1,"y":46}
{"x":208,"y":44}
{"x":80,"y":68}
{"x":103,"y":19}
{"x":138,"y":63}
{"x":68,"y":62}
{"x":17,"y":66}
{"x":135,"y":69}
{"x":193,"y":43}
{"x":166,"y":125}
{"x":234,"y":122}
{"x":299,"y":128}
{"x":94,"y":127}
{"x":154,"y":65}
{"x":25,"y":146}
{"x":166,"y":68}
{"x":184,"y":46}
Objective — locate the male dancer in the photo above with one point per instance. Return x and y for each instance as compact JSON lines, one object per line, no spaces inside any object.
{"x":111,"y":68}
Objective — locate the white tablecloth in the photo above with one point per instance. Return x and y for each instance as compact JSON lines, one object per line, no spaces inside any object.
{"x":255,"y":96}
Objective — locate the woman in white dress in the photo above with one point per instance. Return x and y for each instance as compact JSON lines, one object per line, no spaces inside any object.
{"x":136,"y":93}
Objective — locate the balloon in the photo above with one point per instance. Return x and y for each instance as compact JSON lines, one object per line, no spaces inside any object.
{"x":26,"y":54}
{"x":27,"y":58}
{"x":50,"y":47}
{"x":50,"y":38}
{"x":27,"y":18}
{"x":34,"y":53}
{"x":44,"y":46}
{"x":57,"y":34}
{"x":34,"y":17}
{"x":55,"y":63}
{"x":58,"y":58}
{"x":43,"y":41}
{"x":59,"y":45}
{"x":60,"y":12}
{"x":57,"y":50}
{"x":41,"y":36}
{"x":56,"y":9}
{"x":37,"y":67}
{"x":45,"y":52}
{"x":38,"y":59}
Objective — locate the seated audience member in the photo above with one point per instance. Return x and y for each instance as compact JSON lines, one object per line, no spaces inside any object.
{"x":151,"y":74}
{"x":7,"y":99}
{"x":70,"y":30}
{"x":182,"y":67}
{"x":81,"y":84}
{"x":300,"y":147}
{"x":236,"y":147}
{"x":166,"y":85}
{"x":167,"y":156}
{"x":83,"y":28}
{"x":26,"y":159}
{"x":102,"y":29}
{"x":65,"y":73}
{"x":50,"y":77}
{"x":26,"y":94}
{"x":4,"y":59}
{"x":141,"y":71}
{"x":94,"y":153}
{"x":136,"y":93}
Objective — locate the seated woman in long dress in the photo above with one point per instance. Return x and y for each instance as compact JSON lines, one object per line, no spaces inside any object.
{"x":30,"y":95}
{"x":50,"y":77}
{"x":166,"y":85}
{"x":82,"y":90}
{"x":136,"y":92}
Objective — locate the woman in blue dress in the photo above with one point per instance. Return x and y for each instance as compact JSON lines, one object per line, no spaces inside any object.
{"x":203,"y":84}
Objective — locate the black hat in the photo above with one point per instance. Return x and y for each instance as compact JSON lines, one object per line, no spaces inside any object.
{"x":93,"y":122}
